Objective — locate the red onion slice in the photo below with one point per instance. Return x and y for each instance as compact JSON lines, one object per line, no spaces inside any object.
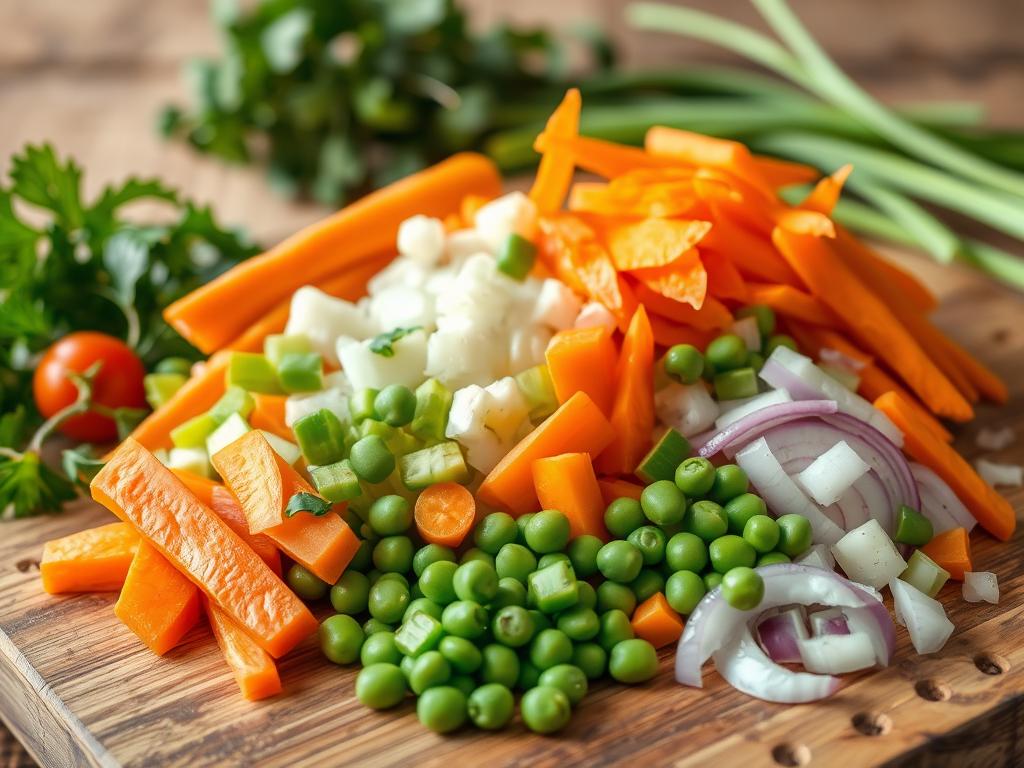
{"x":938,"y":502}
{"x":831,"y":621}
{"x":781,"y":633}
{"x":741,"y":432}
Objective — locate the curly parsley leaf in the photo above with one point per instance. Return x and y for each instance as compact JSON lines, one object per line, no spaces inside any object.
{"x":383,"y":344}
{"x":307,"y":502}
{"x":81,"y":465}
{"x":28,"y":487}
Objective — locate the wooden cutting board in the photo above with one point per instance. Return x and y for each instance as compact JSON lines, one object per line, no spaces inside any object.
{"x":79,"y":689}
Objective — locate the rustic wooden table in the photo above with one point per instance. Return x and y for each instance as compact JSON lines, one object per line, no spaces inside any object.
{"x":91,"y":77}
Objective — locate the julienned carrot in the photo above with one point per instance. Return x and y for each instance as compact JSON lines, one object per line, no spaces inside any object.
{"x":632,"y":416}
{"x":567,"y":483}
{"x":987,"y":383}
{"x":268,"y":414}
{"x":870,"y":321}
{"x":201,"y":486}
{"x":93,"y":560}
{"x":656,"y":622}
{"x":788,"y":301}
{"x":875,"y":382}
{"x":662,"y":199}
{"x":578,"y":426}
{"x":223,"y":309}
{"x":602,"y":158}
{"x":700,"y":150}
{"x":991,"y":510}
{"x":444,"y":514}
{"x":197,"y":396}
{"x":613,"y":488}
{"x":253,"y":668}
{"x":825,"y":195}
{"x":227,"y":508}
{"x":724,"y":280}
{"x":158,"y":603}
{"x":264,"y":483}
{"x":668,"y":334}
{"x":685,"y":282}
{"x":654,"y":242}
{"x":136,"y":487}
{"x":902,"y":282}
{"x":582,"y":360}
{"x":754,"y":257}
{"x":951,"y":550}
{"x":783,"y":173}
{"x":554,"y":174}
{"x":713,"y":314}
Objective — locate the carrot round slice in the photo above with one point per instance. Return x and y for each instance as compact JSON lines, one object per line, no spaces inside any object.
{"x":444,"y":514}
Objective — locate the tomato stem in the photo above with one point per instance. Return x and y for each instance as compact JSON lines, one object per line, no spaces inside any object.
{"x":83,"y":402}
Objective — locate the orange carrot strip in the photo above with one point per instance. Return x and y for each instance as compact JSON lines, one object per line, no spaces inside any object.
{"x":788,"y":301}
{"x":870,"y":321}
{"x":221,"y":310}
{"x":201,"y":486}
{"x":554,"y":174}
{"x":632,"y":417}
{"x":157,"y":602}
{"x":94,"y":560}
{"x":582,"y":360}
{"x":990,"y":509}
{"x":803,"y":222}
{"x":951,"y":550}
{"x":654,"y":242}
{"x":253,"y":668}
{"x":197,"y":396}
{"x":868,"y":264}
{"x":263,"y":483}
{"x":755,"y":257}
{"x":578,"y":426}
{"x":713,"y":315}
{"x":600,"y":157}
{"x":784,"y":173}
{"x":444,"y":514}
{"x":724,"y":280}
{"x":826,"y":192}
{"x":668,"y":334}
{"x":656,"y":622}
{"x":613,"y":488}
{"x":268,"y":414}
{"x":875,"y":382}
{"x":986,"y":382}
{"x":685,"y":282}
{"x":664,"y":199}
{"x":567,"y":483}
{"x":227,"y":508}
{"x":698,"y":149}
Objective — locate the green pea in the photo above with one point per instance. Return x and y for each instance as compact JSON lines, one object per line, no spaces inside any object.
{"x":619,"y":561}
{"x":591,"y":658}
{"x":764,"y":315}
{"x":779,"y":340}
{"x":371,"y":460}
{"x":491,"y":706}
{"x":706,"y":519}
{"x":429,"y":669}
{"x":380,"y":686}
{"x":393,"y":554}
{"x":307,"y":585}
{"x":442,"y":709}
{"x":500,"y":665}
{"x":663,"y":503}
{"x":730,"y":482}
{"x":586,"y":595}
{"x":510,"y":592}
{"x":695,"y":476}
{"x":550,"y":647}
{"x":615,"y":628}
{"x":396,"y":577}
{"x":464,"y":619}
{"x":684,"y":590}
{"x":395,"y":405}
{"x":712,"y":579}
{"x":727,"y":352}
{"x":583,"y":555}
{"x":741,"y":508}
{"x":406,"y":665}
{"x":438,"y":582}
{"x":540,"y":620}
{"x":684,"y":362}
{"x":795,"y":534}
{"x":463,"y":656}
{"x":567,"y":678}
{"x":545,"y":709}
{"x":373,"y":626}
{"x":730,"y":551}
{"x":430,"y":553}
{"x":743,"y":588}
{"x":773,"y":558}
{"x":476,"y":581}
{"x":528,"y":675}
{"x":494,"y":531}
{"x":379,"y":648}
{"x":762,"y":533}
{"x":623,"y":516}
{"x":612,"y":596}
{"x":647,"y":583}
{"x":388,"y":600}
{"x":351,"y":594}
{"x":551,"y":558}
{"x":633,"y":661}
{"x":579,"y":623}
{"x":650,"y":541}
{"x":686,"y":552}
{"x":521,"y":522}
{"x":515,"y":561}
{"x":341,"y":637}
{"x":422,"y":605}
{"x":547,"y":531}
{"x":475,"y":553}
{"x":390,"y":515}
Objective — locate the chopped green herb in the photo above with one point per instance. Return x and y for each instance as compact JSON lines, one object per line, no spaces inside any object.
{"x":383,"y":343}
{"x":307,"y":502}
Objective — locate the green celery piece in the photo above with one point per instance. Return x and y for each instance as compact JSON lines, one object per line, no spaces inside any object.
{"x":336,"y":482}
{"x":737,"y":384}
{"x":925,"y":574}
{"x":535,"y":384}
{"x":912,"y":527}
{"x":194,"y":432}
{"x":234,"y":400}
{"x":360,"y":405}
{"x":234,"y":427}
{"x":398,"y":441}
{"x":433,"y":401}
{"x":277,"y":345}
{"x":553,"y":589}
{"x":420,"y":633}
{"x":161,"y":387}
{"x":441,"y":463}
{"x":321,"y":437}
{"x":195,"y":460}
{"x":301,"y":372}
{"x":661,"y":461}
{"x":253,"y":373}
{"x":286,"y":449}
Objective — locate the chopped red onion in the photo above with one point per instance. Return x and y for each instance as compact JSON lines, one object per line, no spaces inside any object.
{"x":749,"y":427}
{"x":938,"y":502}
{"x":830,"y":621}
{"x":734,"y":410}
{"x":780,"y":634}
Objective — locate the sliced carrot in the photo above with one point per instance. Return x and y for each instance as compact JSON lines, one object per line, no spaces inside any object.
{"x":632,"y":416}
{"x":875,"y":382}
{"x":685,"y":282}
{"x":567,"y":483}
{"x":582,"y":360}
{"x":268,"y":414}
{"x":93,"y":560}
{"x":654,"y":242}
{"x":668,"y":334}
{"x":444,"y":514}
{"x":724,"y":280}
{"x":826,"y":192}
{"x":665,"y":199}
{"x":136,"y":487}
{"x":784,"y":173}
{"x":253,"y":668}
{"x":986,"y":382}
{"x":718,"y":191}
{"x":201,"y":486}
{"x":227,"y":508}
{"x":698,"y":149}
{"x":951,"y":550}
{"x":755,"y":257}
{"x":656,"y":622}
{"x":991,"y":510}
{"x":603,"y":158}
{"x":554,"y":174}
{"x":804,"y":222}
{"x":788,"y":301}
{"x":223,"y":309}
{"x":713,"y":314}
{"x":264,"y":483}
{"x":870,"y":321}
{"x":158,"y":603}
{"x":613,"y":488}
{"x":578,"y":426}
{"x":863,"y":257}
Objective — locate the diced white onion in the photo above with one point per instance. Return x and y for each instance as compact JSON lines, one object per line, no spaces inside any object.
{"x":818,"y":556}
{"x":689,"y":409}
{"x":323,"y":318}
{"x":746,"y":328}
{"x":837,"y":654}
{"x":513,"y":213}
{"x":734,"y":410}
{"x":402,"y":307}
{"x":297,"y":406}
{"x":867,"y":555}
{"x":527,"y":346}
{"x":286,"y":449}
{"x":556,"y":307}
{"x":923,"y":616}
{"x":507,"y":409}
{"x":989,"y":439}
{"x":831,"y":474}
{"x":981,"y":585}
{"x":366,"y":368}
{"x":422,"y":239}
{"x":462,"y":244}
{"x":595,"y":314}
{"x":1010,"y":475}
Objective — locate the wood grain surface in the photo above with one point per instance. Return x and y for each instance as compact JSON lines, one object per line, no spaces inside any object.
{"x":80,"y":690}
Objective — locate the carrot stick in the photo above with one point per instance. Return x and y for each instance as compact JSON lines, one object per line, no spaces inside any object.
{"x":582,"y":360}
{"x":157,"y":602}
{"x":268,"y":414}
{"x":632,"y":416}
{"x":825,"y":195}
{"x":665,"y":199}
{"x":668,"y":334}
{"x":791,"y":302}
{"x":444,"y":514}
{"x":990,"y":509}
{"x":656,"y":622}
{"x":724,"y":280}
{"x":253,"y":668}
{"x":686,"y":282}
{"x":93,"y":560}
{"x":613,"y":488}
{"x":756,"y":258}
{"x":700,"y":150}
{"x":577,"y":426}
{"x":784,"y":173}
{"x":554,"y":174}
{"x":870,"y":265}
{"x":870,"y":321}
{"x":713,"y":314}
{"x":136,"y":487}
{"x":567,"y":483}
{"x":875,"y":382}
{"x":223,"y":309}
{"x":602,"y":158}
{"x":227,"y":508}
{"x":951,"y":550}
{"x":202,"y":487}
{"x":986,"y":382}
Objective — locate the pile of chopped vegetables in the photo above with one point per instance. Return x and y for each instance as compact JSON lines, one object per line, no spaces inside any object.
{"x":554,"y":433}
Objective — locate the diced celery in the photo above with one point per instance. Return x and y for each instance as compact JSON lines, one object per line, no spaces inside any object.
{"x":553,"y":589}
{"x":195,"y":460}
{"x":516,"y":256}
{"x":733,"y":385}
{"x":336,"y":482}
{"x":360,"y":405}
{"x":301,"y":372}
{"x":433,"y":401}
{"x":194,"y":432}
{"x":286,"y":449}
{"x":253,"y":373}
{"x":441,"y":463}
{"x":661,"y":461}
{"x":234,"y":400}
{"x":321,"y":437}
{"x":925,"y":574}
{"x":234,"y":427}
{"x":160,"y":387}
{"x":277,"y":345}
{"x":398,"y":441}
{"x":418,"y":634}
{"x":535,"y":384}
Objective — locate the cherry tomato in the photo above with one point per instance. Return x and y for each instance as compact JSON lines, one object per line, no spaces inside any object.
{"x":118,"y":384}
